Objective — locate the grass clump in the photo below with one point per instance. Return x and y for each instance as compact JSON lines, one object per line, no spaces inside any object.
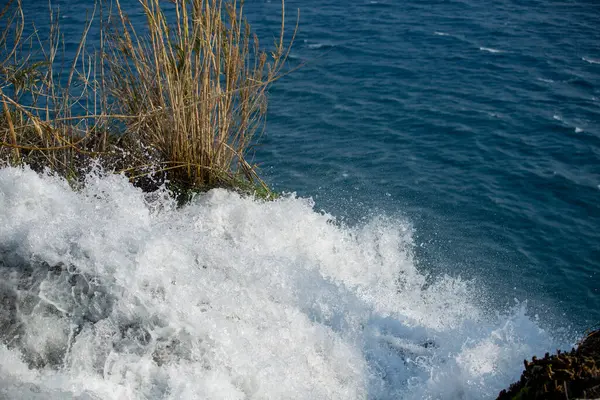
{"x":180,"y":100}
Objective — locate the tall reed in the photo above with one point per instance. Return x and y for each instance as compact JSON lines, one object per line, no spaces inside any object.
{"x":184,"y":95}
{"x":36,"y":121}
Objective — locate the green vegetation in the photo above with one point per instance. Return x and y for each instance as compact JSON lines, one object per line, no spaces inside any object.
{"x":176,"y":101}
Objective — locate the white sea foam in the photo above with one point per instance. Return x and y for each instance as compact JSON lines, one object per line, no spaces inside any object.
{"x":315,"y":46}
{"x":109,"y":293}
{"x":577,"y":129}
{"x":441,"y":33}
{"x":491,"y":50}
{"x":591,"y":60}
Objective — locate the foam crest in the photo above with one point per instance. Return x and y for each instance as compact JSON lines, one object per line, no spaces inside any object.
{"x":591,"y":60}
{"x":112,"y":293}
{"x":491,"y":50}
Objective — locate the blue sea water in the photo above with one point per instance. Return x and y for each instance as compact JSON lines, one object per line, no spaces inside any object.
{"x":464,"y":131}
{"x":477,"y":120}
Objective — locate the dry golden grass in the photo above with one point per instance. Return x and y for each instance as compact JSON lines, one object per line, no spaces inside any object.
{"x":185,"y":98}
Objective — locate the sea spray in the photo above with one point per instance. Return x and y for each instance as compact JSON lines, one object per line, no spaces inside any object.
{"x":110,"y":293}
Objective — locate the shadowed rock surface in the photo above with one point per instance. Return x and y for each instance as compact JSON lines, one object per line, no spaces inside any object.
{"x":572,"y":375}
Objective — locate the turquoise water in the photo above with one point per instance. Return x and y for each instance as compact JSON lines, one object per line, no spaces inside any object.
{"x":445,"y":157}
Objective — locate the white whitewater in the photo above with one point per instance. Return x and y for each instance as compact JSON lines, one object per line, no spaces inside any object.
{"x":110,"y":293}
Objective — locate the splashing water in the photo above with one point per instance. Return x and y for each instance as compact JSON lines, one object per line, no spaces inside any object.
{"x":110,"y":293}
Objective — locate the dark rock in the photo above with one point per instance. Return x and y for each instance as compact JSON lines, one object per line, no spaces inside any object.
{"x":571,"y":375}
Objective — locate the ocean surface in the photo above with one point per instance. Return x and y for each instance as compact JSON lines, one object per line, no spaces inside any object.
{"x":441,"y":161}
{"x":479,"y":121}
